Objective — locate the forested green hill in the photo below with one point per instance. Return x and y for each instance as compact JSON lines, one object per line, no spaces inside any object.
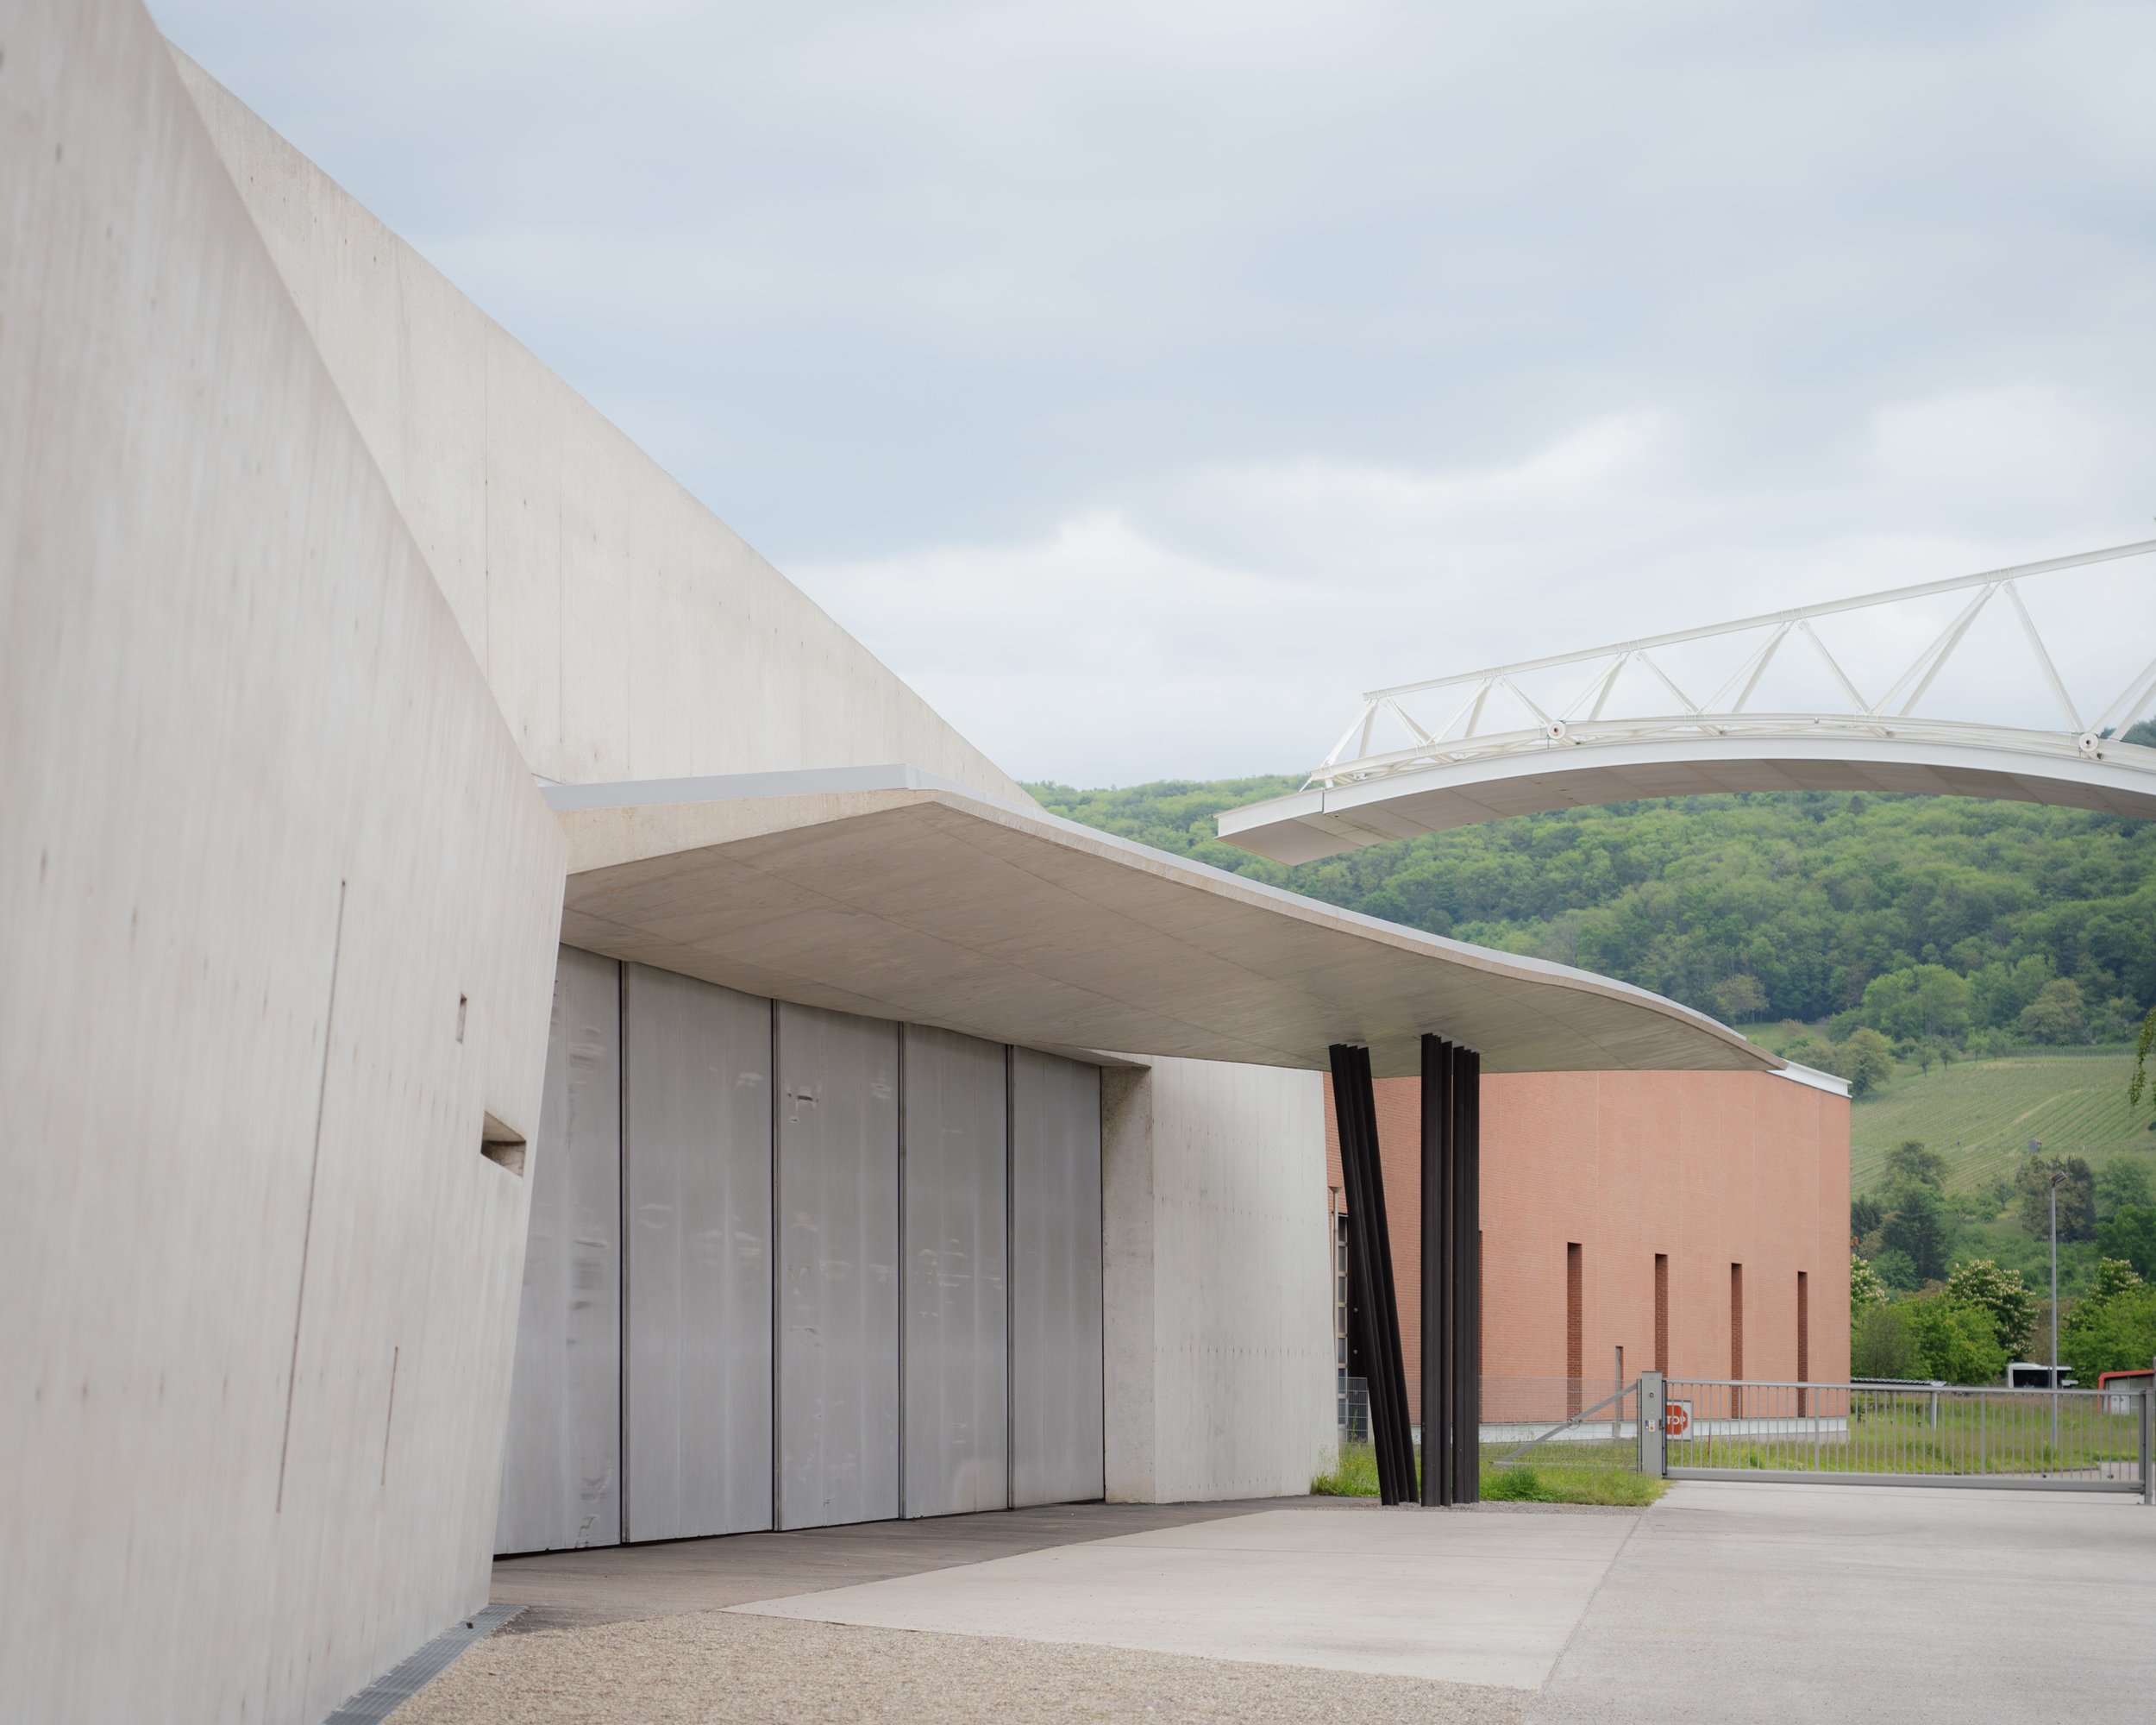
{"x":1939,"y":922}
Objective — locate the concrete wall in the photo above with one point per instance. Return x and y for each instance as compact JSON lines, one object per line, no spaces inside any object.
{"x":277,"y":898}
{"x":1709,"y":1169}
{"x":627,"y":632}
{"x":1219,"y":1295}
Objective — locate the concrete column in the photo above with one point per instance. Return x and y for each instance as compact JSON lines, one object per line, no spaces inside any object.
{"x":1217,"y":1290}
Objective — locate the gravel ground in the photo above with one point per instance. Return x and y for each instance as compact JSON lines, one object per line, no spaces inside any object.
{"x":715,"y":1666}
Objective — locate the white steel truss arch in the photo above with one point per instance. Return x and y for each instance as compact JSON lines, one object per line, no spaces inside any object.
{"x":1395,"y":773}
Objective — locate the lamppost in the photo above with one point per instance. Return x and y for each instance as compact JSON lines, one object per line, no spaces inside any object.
{"x":2058,"y":1179}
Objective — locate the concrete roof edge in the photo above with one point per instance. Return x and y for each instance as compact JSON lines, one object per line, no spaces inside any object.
{"x":964,"y":799}
{"x":799,"y":781}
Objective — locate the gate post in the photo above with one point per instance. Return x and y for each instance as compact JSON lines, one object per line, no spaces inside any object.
{"x":2148,"y":1441}
{"x":1654,"y":1446}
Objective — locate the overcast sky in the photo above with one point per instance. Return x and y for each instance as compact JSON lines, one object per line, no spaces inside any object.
{"x":1141,"y":382}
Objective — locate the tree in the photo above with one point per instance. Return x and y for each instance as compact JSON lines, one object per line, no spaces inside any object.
{"x":2130,"y":1233}
{"x":1923,"y":1000}
{"x":2076,"y":1197}
{"x":2055,"y":1016}
{"x":1865,"y":1214}
{"x":2115,"y":1333}
{"x":2120,"y":1182}
{"x":2115,"y":1276}
{"x":1865,"y":1060}
{"x":1740,"y":999}
{"x":2001,"y":991}
{"x":1880,"y":1344}
{"x":1811,"y":899}
{"x":2010,"y":1301}
{"x":1909,"y":1161}
{"x":2144,"y":1045}
{"x":1920,"y":1228}
{"x":1895,"y":1269}
{"x":1955,"y":1342}
{"x":1865,"y":1287}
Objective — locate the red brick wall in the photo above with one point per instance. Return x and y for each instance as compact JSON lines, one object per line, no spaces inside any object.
{"x":1710,"y":1169}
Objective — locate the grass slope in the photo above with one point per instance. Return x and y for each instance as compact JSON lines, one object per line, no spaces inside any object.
{"x":1980,"y":1115}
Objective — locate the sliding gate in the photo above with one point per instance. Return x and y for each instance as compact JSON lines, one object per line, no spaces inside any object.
{"x":1914,"y":1434}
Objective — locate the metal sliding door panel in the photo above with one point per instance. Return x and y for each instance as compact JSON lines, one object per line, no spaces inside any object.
{"x":561,"y":1465}
{"x":838,"y":1268}
{"x":698,"y":1174}
{"x":956,"y":1347}
{"x":1057,"y":1445}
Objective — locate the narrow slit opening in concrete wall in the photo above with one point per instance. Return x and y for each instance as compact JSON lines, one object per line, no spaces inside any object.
{"x":502,"y":1146}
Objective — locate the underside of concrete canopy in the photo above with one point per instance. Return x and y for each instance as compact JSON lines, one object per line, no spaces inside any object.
{"x":891,"y":894}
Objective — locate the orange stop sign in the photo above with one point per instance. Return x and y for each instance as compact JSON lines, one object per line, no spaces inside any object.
{"x":1677,"y":1419}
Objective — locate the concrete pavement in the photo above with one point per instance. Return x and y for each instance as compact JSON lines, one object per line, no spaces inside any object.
{"x":1725,"y":1603}
{"x":637,"y":1584}
{"x":1458,"y":1598}
{"x":1734,"y":1603}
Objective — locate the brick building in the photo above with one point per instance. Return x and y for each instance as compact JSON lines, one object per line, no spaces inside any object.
{"x":1697,"y":1221}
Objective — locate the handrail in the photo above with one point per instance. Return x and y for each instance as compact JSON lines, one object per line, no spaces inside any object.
{"x":1357,"y":757}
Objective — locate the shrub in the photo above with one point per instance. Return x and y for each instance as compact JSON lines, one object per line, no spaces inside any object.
{"x":1955,"y":1342}
{"x":1880,"y":1344}
{"x":2110,"y":1333}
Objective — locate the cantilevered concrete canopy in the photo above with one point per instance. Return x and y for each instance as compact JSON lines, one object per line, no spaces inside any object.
{"x":886,"y":891}
{"x":1326,"y":820}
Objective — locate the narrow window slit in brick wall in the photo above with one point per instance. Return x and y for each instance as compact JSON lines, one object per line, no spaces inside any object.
{"x":1575,"y":1330}
{"x":1661,"y":1312}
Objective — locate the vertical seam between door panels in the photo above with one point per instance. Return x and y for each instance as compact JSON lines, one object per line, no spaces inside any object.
{"x":902,"y":1273}
{"x":621,"y":1268}
{"x":1010,"y":1278}
{"x":775,"y":1082}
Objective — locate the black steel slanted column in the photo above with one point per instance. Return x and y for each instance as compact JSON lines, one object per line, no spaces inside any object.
{"x":1370,"y":1271}
{"x":1438,"y":1306}
{"x":1467,"y":1276}
{"x":1452,"y":1273}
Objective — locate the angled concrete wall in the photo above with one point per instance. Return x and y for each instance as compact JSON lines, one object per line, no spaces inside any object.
{"x":277,"y":898}
{"x":1218,"y":1326}
{"x":627,"y":632}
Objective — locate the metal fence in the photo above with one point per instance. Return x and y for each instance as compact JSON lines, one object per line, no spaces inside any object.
{"x":1355,"y":1409}
{"x":1531,"y":1422}
{"x":1903,"y":1434}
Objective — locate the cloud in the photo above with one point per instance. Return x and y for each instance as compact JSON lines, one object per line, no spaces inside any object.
{"x":1115,"y":649}
{"x":1143,"y":382}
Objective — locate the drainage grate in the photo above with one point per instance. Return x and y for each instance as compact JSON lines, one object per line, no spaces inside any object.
{"x":390,"y":1691}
